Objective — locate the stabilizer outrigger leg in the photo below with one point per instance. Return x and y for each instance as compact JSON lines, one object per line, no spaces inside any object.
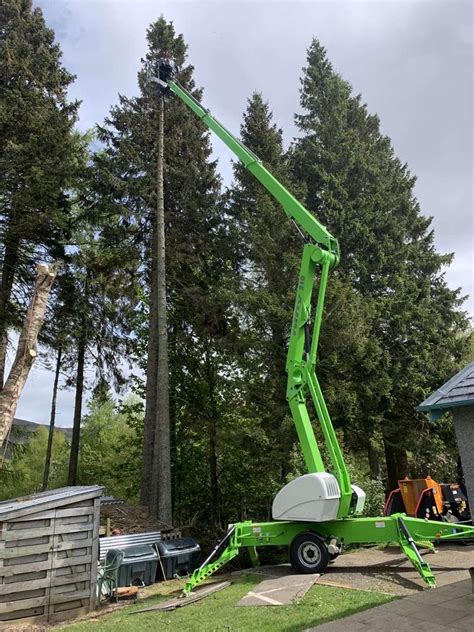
{"x":228,"y":548}
{"x":410,"y":549}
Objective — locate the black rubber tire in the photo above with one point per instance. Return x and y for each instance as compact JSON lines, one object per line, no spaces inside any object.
{"x":309,"y":553}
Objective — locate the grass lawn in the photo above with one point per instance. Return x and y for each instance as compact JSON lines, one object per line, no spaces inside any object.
{"x":218,"y":612}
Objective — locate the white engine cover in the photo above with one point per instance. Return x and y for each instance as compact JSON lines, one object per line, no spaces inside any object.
{"x":309,"y":498}
{"x":360,"y":495}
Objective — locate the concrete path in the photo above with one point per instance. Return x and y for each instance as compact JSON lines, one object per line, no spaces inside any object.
{"x":449,"y":608}
{"x":389,"y":571}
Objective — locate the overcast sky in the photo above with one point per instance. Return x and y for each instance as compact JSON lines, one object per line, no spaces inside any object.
{"x":411,"y":61}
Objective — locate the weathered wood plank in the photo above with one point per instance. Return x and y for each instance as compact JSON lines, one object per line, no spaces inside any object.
{"x":24,"y":604}
{"x":25,"y":577}
{"x":66,"y":597}
{"x":2,"y":540}
{"x":22,"y":586}
{"x":80,"y":554}
{"x":25,"y":551}
{"x":65,"y":615}
{"x":71,"y":578}
{"x":70,"y":605}
{"x":9,"y":571}
{"x":24,"y":616}
{"x":47,"y":608}
{"x":87,"y":502}
{"x":76,"y":568}
{"x":95,"y":555}
{"x":25,"y":534}
{"x":47,"y":515}
{"x":31,"y":541}
{"x":24,"y":593}
{"x":88,"y":517}
{"x":72,"y":588}
{"x":30,"y":522}
{"x":54,"y":503}
{"x":12,"y":606}
{"x":18,"y":552}
{"x":75,"y":535}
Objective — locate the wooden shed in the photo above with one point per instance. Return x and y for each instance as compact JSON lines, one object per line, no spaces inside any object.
{"x":48,"y":555}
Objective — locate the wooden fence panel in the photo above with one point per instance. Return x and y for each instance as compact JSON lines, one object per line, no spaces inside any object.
{"x":48,"y":562}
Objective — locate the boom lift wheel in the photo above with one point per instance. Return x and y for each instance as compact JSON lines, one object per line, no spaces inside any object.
{"x":309,"y":553}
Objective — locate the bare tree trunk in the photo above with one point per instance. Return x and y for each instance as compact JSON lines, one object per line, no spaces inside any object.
{"x":52,"y":420}
{"x":212,"y":429}
{"x":26,"y":350}
{"x":397,"y":462}
{"x":6,"y":284}
{"x":374,"y":462}
{"x":76,"y":426}
{"x":151,"y":373}
{"x":160,"y":501}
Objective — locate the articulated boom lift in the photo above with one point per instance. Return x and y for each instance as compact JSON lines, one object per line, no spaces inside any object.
{"x":315,"y":513}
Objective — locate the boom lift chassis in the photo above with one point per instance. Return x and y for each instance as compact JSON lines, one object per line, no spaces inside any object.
{"x":312,"y":543}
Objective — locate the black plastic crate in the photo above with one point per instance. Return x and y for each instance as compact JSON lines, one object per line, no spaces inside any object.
{"x":179,"y":557}
{"x":138,"y":567}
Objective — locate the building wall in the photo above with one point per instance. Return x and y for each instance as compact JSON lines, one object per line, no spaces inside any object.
{"x":464,"y":427}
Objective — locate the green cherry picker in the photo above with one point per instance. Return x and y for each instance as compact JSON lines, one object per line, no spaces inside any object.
{"x":314,"y":515}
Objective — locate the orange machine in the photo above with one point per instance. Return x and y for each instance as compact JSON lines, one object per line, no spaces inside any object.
{"x":426,"y":499}
{"x":412,"y":489}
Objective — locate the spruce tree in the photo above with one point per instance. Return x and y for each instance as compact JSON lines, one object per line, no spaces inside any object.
{"x":271,"y":248}
{"x":130,"y":135}
{"x":364,"y":194}
{"x":38,"y":154}
{"x":270,"y":252}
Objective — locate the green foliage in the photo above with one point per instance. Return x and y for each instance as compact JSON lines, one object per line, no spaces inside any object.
{"x":109,"y":453}
{"x":40,"y":154}
{"x":364,"y":194}
{"x":434,"y":451}
{"x":24,"y":473}
{"x":375,"y":496}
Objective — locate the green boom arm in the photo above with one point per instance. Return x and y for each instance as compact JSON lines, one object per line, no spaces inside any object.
{"x":322,"y":251}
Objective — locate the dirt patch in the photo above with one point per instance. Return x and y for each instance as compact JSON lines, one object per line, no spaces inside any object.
{"x":129,"y":518}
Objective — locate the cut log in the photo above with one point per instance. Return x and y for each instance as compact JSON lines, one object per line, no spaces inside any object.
{"x":26,"y":351}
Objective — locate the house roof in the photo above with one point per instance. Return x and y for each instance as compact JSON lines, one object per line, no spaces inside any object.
{"x":458,"y":391}
{"x":49,"y":499}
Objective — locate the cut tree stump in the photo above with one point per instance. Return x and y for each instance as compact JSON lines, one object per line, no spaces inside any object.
{"x":26,"y":350}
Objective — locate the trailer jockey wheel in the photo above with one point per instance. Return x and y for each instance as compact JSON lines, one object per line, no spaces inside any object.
{"x":309,"y":554}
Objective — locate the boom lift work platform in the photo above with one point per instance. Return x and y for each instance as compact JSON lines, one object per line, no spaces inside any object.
{"x":315,"y":515}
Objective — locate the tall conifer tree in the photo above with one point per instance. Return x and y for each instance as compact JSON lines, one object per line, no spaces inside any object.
{"x":365,"y":196}
{"x":270,"y":249}
{"x":38,"y":154}
{"x":130,"y":134}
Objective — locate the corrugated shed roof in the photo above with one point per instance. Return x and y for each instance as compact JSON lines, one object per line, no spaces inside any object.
{"x":458,"y":391}
{"x":46,"y":500}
